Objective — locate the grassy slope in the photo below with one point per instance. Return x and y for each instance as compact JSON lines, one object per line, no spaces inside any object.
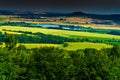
{"x":83,"y":45}
{"x":71,"y":45}
{"x":64,"y":33}
{"x":35,"y":45}
{"x":29,"y":46}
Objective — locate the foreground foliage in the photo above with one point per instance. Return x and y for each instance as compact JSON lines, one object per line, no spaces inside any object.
{"x":49,"y":63}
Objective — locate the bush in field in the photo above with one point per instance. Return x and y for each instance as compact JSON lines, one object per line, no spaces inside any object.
{"x":65,"y":45}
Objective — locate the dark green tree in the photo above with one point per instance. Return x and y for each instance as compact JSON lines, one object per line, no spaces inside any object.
{"x":10,"y":42}
{"x":115,"y":51}
{"x":65,"y":45}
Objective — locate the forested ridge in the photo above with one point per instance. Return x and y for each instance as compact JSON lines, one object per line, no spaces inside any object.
{"x":49,"y":63}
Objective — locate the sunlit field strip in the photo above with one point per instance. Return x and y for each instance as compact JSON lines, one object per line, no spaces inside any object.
{"x":64,"y":33}
{"x":84,"y":45}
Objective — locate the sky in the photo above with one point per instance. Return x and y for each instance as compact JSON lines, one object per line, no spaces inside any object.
{"x":88,"y":6}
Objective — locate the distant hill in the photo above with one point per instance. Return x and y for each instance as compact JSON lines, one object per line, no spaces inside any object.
{"x":36,"y":14}
{"x":15,"y":12}
{"x":78,"y":13}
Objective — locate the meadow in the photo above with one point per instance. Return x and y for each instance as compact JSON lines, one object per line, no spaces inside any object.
{"x":64,"y":33}
{"x":71,"y":45}
{"x":84,"y":45}
{"x":33,"y":45}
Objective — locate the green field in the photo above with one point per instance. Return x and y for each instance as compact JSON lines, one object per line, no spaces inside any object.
{"x":29,"y":46}
{"x":65,"y":33}
{"x":2,"y":20}
{"x":35,"y":45}
{"x":71,"y":45}
{"x":83,"y":45}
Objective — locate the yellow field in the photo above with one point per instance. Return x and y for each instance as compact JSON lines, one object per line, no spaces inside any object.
{"x":100,"y":26}
{"x":35,"y":45}
{"x":29,"y":46}
{"x":71,"y":45}
{"x":83,"y":45}
{"x":64,"y":33}
{"x":8,"y":32}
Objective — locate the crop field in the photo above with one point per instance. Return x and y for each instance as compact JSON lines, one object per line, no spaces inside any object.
{"x":71,"y":45}
{"x":31,"y":45}
{"x":35,"y":45}
{"x":65,"y":33}
{"x":2,"y":20}
{"x":8,"y":32}
{"x":83,"y":45}
{"x":70,"y":21}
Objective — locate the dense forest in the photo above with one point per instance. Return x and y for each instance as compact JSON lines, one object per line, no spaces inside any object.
{"x":49,"y":63}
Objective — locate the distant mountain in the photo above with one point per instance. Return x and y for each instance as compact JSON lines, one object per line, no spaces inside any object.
{"x":78,"y":13}
{"x":12,"y":12}
{"x":6,"y":12}
{"x":37,"y":14}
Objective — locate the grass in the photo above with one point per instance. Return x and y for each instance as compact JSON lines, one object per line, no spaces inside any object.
{"x":8,"y":32}
{"x":29,"y":46}
{"x":34,"y":45}
{"x":4,"y":18}
{"x":64,"y":33}
{"x":83,"y":45}
{"x":71,"y":45}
